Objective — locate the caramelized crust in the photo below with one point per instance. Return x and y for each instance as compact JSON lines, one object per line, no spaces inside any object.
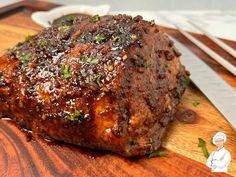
{"x":112,"y":83}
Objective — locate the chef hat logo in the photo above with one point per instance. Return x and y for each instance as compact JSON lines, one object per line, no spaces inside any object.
{"x":219,"y":135}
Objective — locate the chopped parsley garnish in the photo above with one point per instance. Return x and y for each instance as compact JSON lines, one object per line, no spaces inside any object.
{"x":95,"y":18}
{"x":167,"y":65}
{"x":29,"y":38}
{"x":75,"y":116}
{"x":24,"y":57}
{"x":19,"y":43}
{"x":100,"y":38}
{"x":202,"y":144}
{"x":65,"y":71}
{"x":185,"y":81}
{"x":64,"y":28}
{"x":42,"y":43}
{"x":147,"y":65}
{"x":7,"y":49}
{"x":70,"y":18}
{"x":116,"y":39}
{"x":195,"y":103}
{"x":90,"y":60}
{"x":98,"y":77}
{"x":158,"y":154}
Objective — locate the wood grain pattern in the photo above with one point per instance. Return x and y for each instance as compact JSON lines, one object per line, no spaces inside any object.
{"x":39,"y":158}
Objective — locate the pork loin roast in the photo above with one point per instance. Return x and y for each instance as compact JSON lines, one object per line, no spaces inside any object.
{"x":110,"y":83}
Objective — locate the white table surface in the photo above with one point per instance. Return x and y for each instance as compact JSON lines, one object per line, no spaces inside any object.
{"x":219,"y":23}
{"x":217,"y":16}
{"x":150,"y":4}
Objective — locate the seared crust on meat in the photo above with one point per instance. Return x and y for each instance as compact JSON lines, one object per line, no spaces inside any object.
{"x":112,"y":83}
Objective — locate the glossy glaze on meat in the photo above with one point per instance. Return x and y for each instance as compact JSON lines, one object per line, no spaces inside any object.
{"x":110,"y":82}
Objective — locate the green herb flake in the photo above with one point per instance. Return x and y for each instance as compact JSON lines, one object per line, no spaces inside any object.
{"x":158,"y":154}
{"x":202,"y":144}
{"x":95,"y":18}
{"x":19,"y":44}
{"x":7,"y":49}
{"x":185,"y":81}
{"x":195,"y":103}
{"x":90,"y":60}
{"x":24,"y":57}
{"x":167,"y":65}
{"x":70,"y":18}
{"x":42,"y":43}
{"x":98,"y":77}
{"x":29,"y":38}
{"x":75,"y":116}
{"x":100,"y":38}
{"x":147,"y":65}
{"x":64,"y":28}
{"x":116,"y":39}
{"x":66,"y":71}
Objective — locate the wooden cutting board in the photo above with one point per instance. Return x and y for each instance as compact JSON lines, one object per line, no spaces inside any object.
{"x":19,"y":157}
